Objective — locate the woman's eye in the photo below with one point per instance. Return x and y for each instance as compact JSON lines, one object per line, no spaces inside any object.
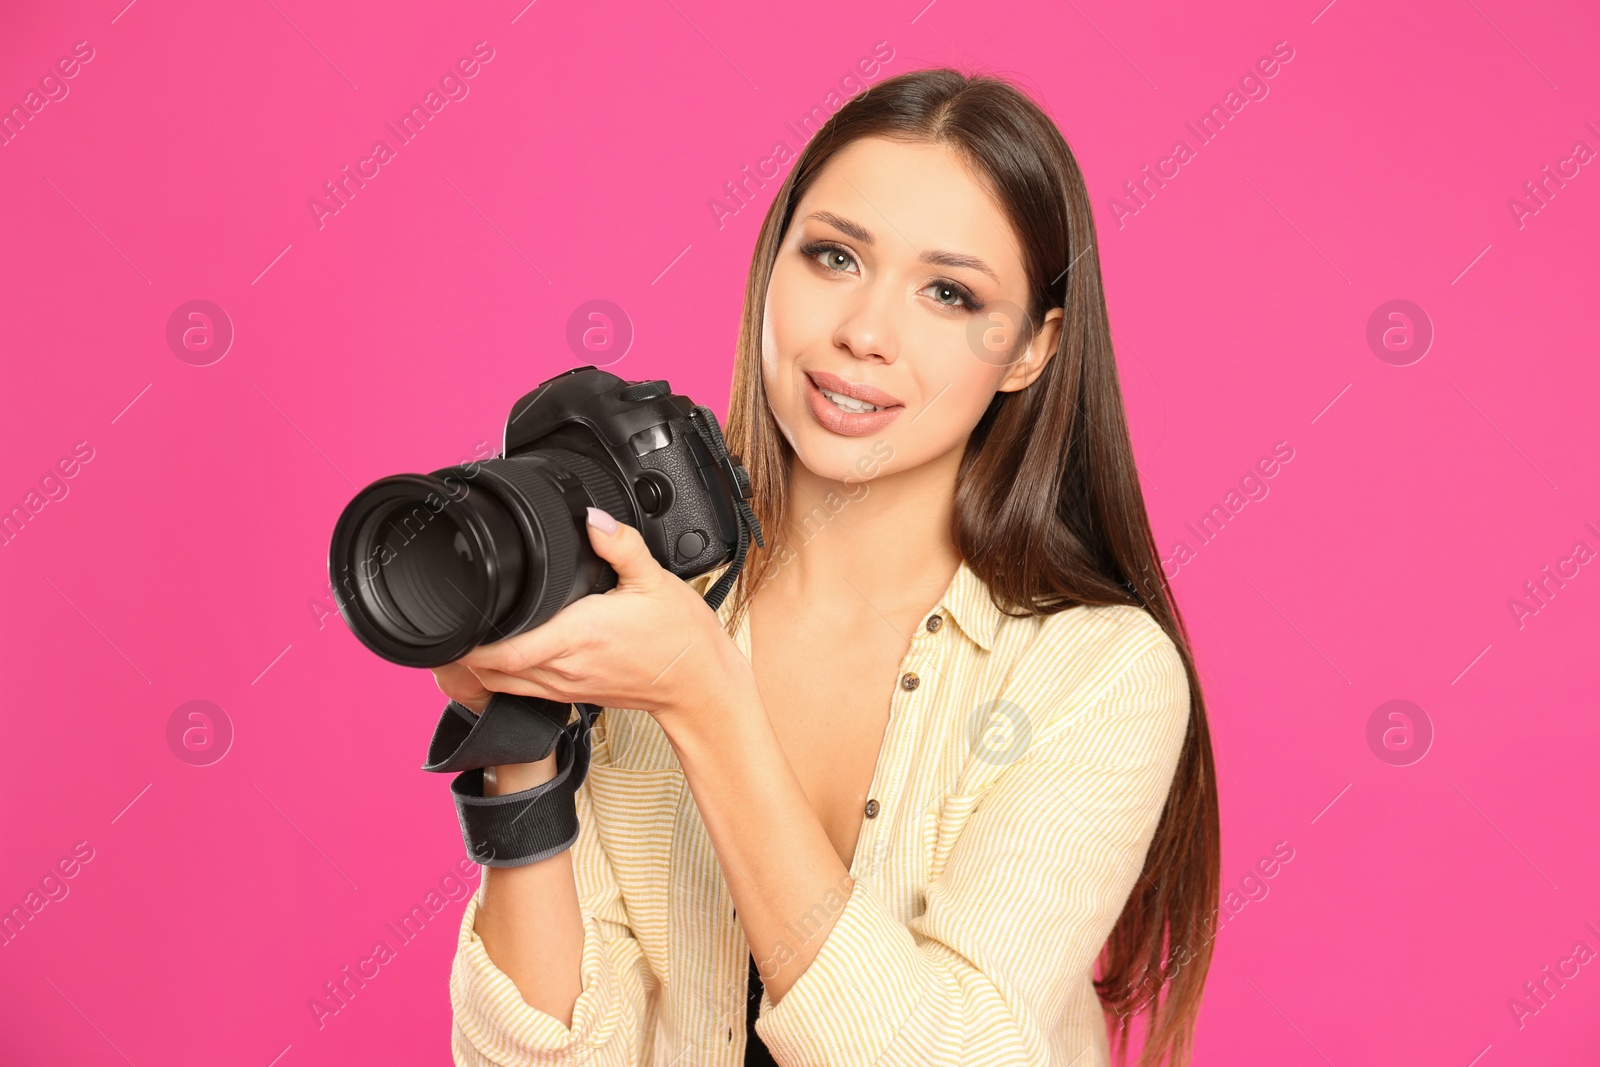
{"x":959,"y":296}
{"x":836,"y":258}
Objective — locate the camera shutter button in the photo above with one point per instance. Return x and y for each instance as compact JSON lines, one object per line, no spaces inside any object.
{"x":691,"y":544}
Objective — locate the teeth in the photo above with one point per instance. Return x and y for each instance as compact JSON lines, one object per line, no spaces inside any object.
{"x":846,"y":403}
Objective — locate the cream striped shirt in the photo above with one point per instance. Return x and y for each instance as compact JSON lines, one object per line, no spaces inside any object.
{"x":1017,"y":791}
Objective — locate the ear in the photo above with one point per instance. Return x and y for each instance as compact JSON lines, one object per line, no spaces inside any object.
{"x":1021,"y":374}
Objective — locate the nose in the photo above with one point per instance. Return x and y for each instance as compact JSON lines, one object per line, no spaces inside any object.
{"x":869,"y":329}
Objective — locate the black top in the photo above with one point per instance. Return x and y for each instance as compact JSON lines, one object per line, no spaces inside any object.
{"x":755,"y":1050}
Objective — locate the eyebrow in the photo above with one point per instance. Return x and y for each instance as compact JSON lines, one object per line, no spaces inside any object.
{"x":933,"y":255}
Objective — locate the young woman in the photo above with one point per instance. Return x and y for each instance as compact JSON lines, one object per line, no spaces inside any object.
{"x":942,"y":755}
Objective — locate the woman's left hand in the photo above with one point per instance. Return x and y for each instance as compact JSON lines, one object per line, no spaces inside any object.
{"x":650,"y":643}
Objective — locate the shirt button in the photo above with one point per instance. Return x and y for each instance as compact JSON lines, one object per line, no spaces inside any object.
{"x":872,"y":809}
{"x":909,"y":680}
{"x":934,"y":622}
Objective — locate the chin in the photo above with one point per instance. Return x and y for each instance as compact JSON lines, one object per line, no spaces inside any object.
{"x":831,"y":468}
{"x":847,"y":460}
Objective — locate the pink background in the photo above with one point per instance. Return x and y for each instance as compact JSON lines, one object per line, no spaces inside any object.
{"x":187,"y":560}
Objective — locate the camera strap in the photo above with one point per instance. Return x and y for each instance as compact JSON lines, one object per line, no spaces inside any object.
{"x":514,"y":829}
{"x":704,"y":421}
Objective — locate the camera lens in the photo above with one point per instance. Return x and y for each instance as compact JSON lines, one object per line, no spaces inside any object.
{"x":427,"y":566}
{"x":434,"y":585}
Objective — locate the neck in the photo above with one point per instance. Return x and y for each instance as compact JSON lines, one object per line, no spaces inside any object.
{"x":882,"y":544}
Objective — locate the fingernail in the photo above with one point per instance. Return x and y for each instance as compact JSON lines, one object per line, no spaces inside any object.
{"x":602,"y":521}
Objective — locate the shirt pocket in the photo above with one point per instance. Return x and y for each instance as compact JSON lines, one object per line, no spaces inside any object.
{"x":632,"y":740}
{"x":941,"y":825}
{"x":636,"y":813}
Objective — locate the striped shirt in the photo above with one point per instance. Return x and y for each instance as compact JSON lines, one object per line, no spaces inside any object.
{"x":1023,"y":770}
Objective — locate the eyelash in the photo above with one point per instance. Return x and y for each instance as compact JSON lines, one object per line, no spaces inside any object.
{"x":968,"y":298}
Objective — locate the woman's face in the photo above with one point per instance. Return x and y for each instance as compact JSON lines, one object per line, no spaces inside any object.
{"x":900,"y":281}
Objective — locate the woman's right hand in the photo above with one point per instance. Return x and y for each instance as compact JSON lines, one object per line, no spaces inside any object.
{"x":457,"y":682}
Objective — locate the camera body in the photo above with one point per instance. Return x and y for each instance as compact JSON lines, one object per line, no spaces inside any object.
{"x":426,"y":567}
{"x":678,"y":496}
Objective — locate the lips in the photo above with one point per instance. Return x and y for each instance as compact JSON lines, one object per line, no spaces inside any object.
{"x":856,"y":391}
{"x":848,"y":423}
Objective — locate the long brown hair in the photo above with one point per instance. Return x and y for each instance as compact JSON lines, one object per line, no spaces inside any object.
{"x":1048,"y":508}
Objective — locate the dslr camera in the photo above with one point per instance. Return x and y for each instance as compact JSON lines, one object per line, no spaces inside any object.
{"x":427,"y":566}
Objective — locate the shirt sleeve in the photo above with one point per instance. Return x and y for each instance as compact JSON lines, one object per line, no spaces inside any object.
{"x":494,"y":1027}
{"x":1034,"y":883}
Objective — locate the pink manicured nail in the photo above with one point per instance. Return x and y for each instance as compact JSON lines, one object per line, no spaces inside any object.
{"x":602,"y":521}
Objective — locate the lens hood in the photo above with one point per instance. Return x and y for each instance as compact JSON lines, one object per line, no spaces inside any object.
{"x":386,"y":603}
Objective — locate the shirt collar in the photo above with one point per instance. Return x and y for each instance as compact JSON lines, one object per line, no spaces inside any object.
{"x":968,"y":602}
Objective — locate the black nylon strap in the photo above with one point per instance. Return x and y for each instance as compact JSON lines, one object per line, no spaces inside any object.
{"x":524,"y":827}
{"x":704,"y":421}
{"x":516,"y":828}
{"x":512,"y":729}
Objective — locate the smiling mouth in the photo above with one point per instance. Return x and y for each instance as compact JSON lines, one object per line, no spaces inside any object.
{"x":842,"y":399}
{"x":847,"y":415}
{"x":846,"y":403}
